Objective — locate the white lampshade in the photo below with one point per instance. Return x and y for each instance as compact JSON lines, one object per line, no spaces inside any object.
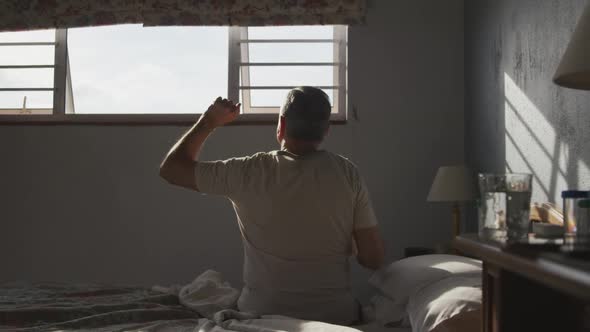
{"x":574,"y":69}
{"x":453,"y":184}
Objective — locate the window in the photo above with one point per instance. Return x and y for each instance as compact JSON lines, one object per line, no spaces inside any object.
{"x":27,"y":61}
{"x":273,"y":60}
{"x":129,"y":73}
{"x":135,"y":70}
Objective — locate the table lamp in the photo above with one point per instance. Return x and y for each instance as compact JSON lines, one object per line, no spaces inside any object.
{"x":453,"y":184}
{"x":574,"y":69}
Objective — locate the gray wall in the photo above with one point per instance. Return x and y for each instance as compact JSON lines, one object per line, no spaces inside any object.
{"x":516,"y":118}
{"x":84,"y":203}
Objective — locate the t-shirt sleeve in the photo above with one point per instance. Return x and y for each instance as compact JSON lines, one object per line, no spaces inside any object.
{"x":364,"y":215}
{"x":223,"y":177}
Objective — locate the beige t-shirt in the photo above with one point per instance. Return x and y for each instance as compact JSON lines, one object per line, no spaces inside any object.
{"x":296,"y":215}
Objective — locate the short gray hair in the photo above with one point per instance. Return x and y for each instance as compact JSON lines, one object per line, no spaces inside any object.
{"x":307,"y":113}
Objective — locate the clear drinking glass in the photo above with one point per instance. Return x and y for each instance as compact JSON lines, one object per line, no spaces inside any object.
{"x":576,"y":208}
{"x":504,"y":206}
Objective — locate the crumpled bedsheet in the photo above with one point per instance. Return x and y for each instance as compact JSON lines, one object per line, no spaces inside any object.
{"x":205,"y":305}
{"x":52,"y":306}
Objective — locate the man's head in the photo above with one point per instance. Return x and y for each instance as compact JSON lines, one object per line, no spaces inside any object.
{"x":305,"y":116}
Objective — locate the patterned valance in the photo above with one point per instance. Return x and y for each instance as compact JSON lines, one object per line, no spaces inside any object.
{"x":43,"y":14}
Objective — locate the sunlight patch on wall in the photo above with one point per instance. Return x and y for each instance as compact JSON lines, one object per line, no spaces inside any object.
{"x":583,"y":175}
{"x":533,"y":145}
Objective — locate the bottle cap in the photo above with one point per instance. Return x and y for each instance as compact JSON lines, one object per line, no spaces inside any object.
{"x":575,"y":194}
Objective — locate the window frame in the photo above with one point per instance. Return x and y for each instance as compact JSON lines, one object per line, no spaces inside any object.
{"x":239,"y":75}
{"x":58,"y":34}
{"x":63,"y":110}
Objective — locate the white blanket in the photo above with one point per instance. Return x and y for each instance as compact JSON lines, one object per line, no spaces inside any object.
{"x":216,"y":300}
{"x":231,"y":320}
{"x":208,"y":294}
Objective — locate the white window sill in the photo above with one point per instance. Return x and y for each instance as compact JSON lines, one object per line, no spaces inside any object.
{"x":137,"y":119}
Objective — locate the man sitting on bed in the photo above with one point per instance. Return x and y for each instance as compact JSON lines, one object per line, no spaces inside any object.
{"x":301,"y":211}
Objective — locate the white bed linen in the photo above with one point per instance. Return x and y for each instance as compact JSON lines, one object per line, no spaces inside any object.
{"x":231,"y":320}
{"x":400,"y":280}
{"x":440,"y":301}
{"x":215,"y":299}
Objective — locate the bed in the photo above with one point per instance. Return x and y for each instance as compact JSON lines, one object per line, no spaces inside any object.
{"x":93,"y":307}
{"x":52,"y":306}
{"x":434,"y":293}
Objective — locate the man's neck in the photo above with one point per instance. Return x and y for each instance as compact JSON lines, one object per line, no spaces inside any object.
{"x":299,"y":148}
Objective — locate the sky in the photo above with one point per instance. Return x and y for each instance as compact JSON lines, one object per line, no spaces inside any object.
{"x":132,"y":69}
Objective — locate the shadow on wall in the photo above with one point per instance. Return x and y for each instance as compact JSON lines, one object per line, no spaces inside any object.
{"x":534,"y":145}
{"x":518,"y":120}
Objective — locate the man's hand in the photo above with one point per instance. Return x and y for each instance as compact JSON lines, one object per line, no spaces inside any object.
{"x":221,"y":112}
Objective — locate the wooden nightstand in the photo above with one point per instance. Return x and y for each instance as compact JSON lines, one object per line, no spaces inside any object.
{"x":530,"y":287}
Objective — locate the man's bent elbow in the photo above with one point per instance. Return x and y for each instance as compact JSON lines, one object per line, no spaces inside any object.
{"x":179,"y":173}
{"x":371,"y":251}
{"x":165,"y":172}
{"x":372,"y":262}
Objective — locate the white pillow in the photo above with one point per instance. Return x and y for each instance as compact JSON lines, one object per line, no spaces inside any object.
{"x":452,"y":297}
{"x":403,"y":278}
{"x":388,"y":313}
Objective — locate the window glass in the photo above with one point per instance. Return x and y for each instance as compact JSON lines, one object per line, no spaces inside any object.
{"x":14,"y":53}
{"x":291,"y":52}
{"x":28,"y":36}
{"x":26,"y":78}
{"x":131,"y":69}
{"x":274,"y":98}
{"x":286,"y":52}
{"x":35,"y":99}
{"x":292,"y":32}
{"x":291,"y":75}
{"x":27,"y":55}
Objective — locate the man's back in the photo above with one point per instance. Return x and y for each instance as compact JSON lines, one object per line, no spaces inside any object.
{"x":297,"y":215}
{"x":298,"y":211}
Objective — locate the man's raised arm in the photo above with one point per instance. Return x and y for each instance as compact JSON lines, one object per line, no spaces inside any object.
{"x":178,"y":166}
